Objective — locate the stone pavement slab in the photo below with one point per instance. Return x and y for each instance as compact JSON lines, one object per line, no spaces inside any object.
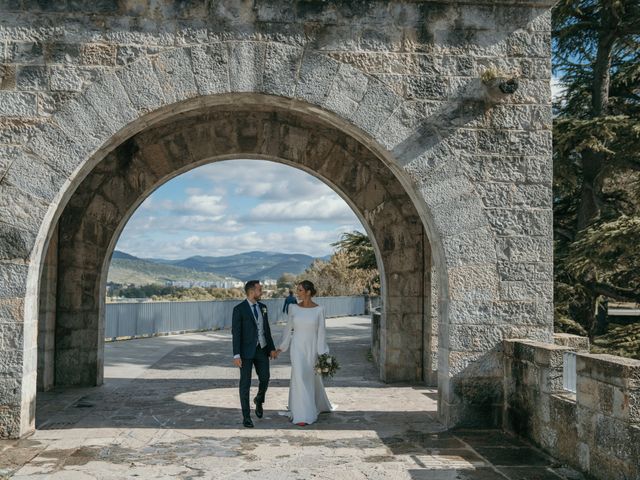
{"x":169,"y":409}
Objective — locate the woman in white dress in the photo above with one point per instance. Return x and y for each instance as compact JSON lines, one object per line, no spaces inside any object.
{"x":305,"y":334}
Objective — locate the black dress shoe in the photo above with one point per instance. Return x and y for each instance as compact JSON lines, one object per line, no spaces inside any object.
{"x":247,"y":422}
{"x":259,"y":411}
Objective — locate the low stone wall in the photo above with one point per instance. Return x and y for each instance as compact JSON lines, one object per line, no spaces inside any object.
{"x":596,"y":430}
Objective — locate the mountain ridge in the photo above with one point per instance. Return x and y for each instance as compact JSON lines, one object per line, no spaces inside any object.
{"x":240,"y":267}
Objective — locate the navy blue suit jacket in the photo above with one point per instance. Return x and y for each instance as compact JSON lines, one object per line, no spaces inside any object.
{"x":245,"y":331}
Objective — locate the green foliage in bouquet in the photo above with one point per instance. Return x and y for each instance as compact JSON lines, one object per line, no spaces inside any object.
{"x":327,"y":365}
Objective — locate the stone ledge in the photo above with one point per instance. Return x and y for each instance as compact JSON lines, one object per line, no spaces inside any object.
{"x":540,"y":353}
{"x":581,"y":344}
{"x":611,"y":369}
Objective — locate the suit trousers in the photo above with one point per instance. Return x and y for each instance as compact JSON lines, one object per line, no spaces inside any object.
{"x":261,"y":363}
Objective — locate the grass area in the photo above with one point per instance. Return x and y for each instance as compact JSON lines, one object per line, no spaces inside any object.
{"x":623,"y":340}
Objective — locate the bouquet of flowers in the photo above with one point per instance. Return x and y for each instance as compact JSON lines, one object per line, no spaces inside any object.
{"x":327,"y":365}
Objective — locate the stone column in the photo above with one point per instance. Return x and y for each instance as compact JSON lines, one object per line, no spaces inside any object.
{"x":47,"y":316}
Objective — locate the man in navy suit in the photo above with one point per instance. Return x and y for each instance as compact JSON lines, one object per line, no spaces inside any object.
{"x":252,"y":346}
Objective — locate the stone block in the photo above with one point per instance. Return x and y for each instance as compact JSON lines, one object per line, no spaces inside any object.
{"x":519,"y":221}
{"x":110,"y":101}
{"x":603,"y":465}
{"x":459,"y":216}
{"x":175,"y":74}
{"x":446,"y":190}
{"x":52,"y":145}
{"x":411,"y":130}
{"x":473,"y":283}
{"x":80,"y":121}
{"x":21,"y":210}
{"x":26,"y":53}
{"x":471,"y":247}
{"x":524,"y":249}
{"x":526,"y":291}
{"x":348,"y":89}
{"x":523,"y":43}
{"x":211,"y":68}
{"x":576,"y":342}
{"x":98,"y":54}
{"x":618,"y":371}
{"x":32,"y":77}
{"x":465,"y":312}
{"x":18,"y":104}
{"x":11,"y":309}
{"x":474,"y":338}
{"x":377,"y":102}
{"x":13,"y":280}
{"x":142,"y":86}
{"x":32,"y":175}
{"x":613,"y":438}
{"x":7,"y":77}
{"x":490,"y":168}
{"x":126,"y":54}
{"x":11,"y":336}
{"x":281,"y":69}
{"x":525,"y":272}
{"x":63,"y":53}
{"x":246,"y":66}
{"x":425,"y":87}
{"x":315,"y":78}
{"x":65,"y":78}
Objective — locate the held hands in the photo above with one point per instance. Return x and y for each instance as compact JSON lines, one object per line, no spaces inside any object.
{"x":273,"y":355}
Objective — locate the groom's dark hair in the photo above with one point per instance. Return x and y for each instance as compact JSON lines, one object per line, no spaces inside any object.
{"x":250,"y":284}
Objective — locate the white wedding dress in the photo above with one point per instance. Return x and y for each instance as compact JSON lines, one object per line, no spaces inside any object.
{"x":305,"y":335}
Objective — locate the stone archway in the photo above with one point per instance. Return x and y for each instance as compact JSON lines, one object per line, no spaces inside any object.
{"x":486,"y":273}
{"x":100,"y":207}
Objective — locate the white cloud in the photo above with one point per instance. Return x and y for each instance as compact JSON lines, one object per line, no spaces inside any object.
{"x":326,"y":207}
{"x":264,"y":179}
{"x":205,"y":204}
{"x":182,"y":223}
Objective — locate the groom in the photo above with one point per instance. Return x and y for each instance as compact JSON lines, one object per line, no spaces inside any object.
{"x":252,"y":345}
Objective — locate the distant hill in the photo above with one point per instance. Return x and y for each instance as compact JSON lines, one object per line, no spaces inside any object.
{"x":247,"y":266}
{"x":126,"y":268}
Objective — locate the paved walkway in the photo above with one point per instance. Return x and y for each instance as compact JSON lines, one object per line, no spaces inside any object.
{"x":169,"y":410}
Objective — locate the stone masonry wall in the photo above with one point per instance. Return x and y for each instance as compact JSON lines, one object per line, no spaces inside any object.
{"x":596,"y":430}
{"x":78,"y":78}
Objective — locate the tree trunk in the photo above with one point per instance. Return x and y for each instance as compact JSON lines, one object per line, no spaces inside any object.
{"x":593,"y":162}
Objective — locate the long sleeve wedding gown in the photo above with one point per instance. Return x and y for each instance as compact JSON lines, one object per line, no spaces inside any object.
{"x":305,"y":334}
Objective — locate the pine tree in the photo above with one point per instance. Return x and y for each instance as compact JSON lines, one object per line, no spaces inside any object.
{"x":596,"y":159}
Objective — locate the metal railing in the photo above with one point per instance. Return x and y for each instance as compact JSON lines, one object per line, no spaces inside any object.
{"x":569,"y":371}
{"x":143,"y":319}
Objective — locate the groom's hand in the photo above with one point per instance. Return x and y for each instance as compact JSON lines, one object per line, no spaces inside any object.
{"x":273,"y":354}
{"x":237,"y":362}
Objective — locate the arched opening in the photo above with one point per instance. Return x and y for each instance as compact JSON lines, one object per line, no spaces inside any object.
{"x":92,"y":220}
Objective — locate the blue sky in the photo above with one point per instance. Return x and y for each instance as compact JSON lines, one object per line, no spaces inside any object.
{"x":238,"y":206}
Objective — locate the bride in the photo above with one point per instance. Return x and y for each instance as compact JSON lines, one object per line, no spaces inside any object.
{"x":305,"y":333}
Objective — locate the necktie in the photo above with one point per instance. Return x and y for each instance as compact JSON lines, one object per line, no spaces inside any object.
{"x":259,"y":326}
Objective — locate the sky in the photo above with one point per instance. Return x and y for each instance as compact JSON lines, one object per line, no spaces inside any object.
{"x":237,"y":206}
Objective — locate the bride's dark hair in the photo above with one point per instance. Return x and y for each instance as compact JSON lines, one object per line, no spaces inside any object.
{"x":308,"y":286}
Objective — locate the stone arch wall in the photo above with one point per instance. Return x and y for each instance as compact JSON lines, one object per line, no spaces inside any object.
{"x":99,"y":208}
{"x":476,"y":169}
